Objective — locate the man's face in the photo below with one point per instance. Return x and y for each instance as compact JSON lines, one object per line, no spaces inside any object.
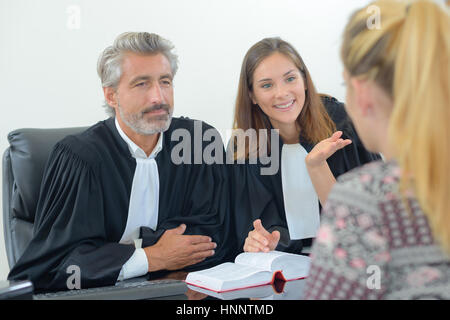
{"x":144,"y":98}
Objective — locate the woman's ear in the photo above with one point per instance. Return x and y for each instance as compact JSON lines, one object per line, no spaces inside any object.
{"x":251,"y":95}
{"x":362,"y":95}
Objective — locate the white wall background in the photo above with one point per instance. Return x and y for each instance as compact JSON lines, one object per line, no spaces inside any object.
{"x":48,"y":68}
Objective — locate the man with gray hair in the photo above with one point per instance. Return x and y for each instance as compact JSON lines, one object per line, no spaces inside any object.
{"x":113,"y":202}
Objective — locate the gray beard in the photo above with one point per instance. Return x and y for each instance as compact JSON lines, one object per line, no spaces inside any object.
{"x":141,"y":126}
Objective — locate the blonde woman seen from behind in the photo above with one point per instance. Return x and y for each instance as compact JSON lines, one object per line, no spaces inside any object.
{"x":385,"y":229}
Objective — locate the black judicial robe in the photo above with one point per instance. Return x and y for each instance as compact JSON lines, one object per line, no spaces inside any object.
{"x":255,"y":196}
{"x":84,"y":200}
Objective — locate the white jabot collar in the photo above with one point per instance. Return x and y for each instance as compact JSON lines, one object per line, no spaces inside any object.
{"x":300,"y":198}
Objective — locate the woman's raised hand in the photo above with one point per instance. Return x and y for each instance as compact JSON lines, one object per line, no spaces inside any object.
{"x":325,"y":148}
{"x":261,"y":240}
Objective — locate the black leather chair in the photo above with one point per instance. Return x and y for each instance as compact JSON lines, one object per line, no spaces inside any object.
{"x":23,"y":166}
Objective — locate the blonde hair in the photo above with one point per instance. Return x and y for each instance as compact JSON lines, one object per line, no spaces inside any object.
{"x":408,"y":56}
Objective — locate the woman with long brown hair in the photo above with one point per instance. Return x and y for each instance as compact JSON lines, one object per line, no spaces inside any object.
{"x":278,"y":102}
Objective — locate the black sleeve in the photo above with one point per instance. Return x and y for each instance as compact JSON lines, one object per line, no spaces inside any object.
{"x":251,"y":199}
{"x":69,"y":229}
{"x":197,"y":195}
{"x":205,"y":210}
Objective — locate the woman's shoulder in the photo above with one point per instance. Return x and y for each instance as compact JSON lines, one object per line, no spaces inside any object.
{"x":337,"y":113}
{"x":335,"y":108}
{"x":330,"y":102}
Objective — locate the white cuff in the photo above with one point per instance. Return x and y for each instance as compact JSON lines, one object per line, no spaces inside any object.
{"x":136,"y":266}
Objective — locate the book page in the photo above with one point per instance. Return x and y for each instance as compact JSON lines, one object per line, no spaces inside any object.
{"x":214,"y":278}
{"x":292,"y":266}
{"x":253,"y":292}
{"x":263,"y":260}
{"x":228,"y":271}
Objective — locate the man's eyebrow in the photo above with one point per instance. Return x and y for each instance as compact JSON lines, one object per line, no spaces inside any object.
{"x":140,"y":78}
{"x":268,"y":79}
{"x":146,"y":78}
{"x":165,"y":76}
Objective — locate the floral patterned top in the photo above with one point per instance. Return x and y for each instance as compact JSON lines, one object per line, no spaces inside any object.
{"x":369,"y":246}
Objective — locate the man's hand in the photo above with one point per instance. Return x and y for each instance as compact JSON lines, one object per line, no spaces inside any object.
{"x":175,"y":251}
{"x":259,"y":239}
{"x":325,"y":149}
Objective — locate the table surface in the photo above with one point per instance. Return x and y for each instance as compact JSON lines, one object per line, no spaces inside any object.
{"x":279,"y":290}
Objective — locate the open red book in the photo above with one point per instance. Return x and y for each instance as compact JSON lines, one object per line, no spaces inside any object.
{"x":251,"y":269}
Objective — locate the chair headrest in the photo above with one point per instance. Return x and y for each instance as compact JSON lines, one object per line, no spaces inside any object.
{"x":29,"y":152}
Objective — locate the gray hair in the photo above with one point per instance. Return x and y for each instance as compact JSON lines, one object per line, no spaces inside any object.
{"x":109,"y":65}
